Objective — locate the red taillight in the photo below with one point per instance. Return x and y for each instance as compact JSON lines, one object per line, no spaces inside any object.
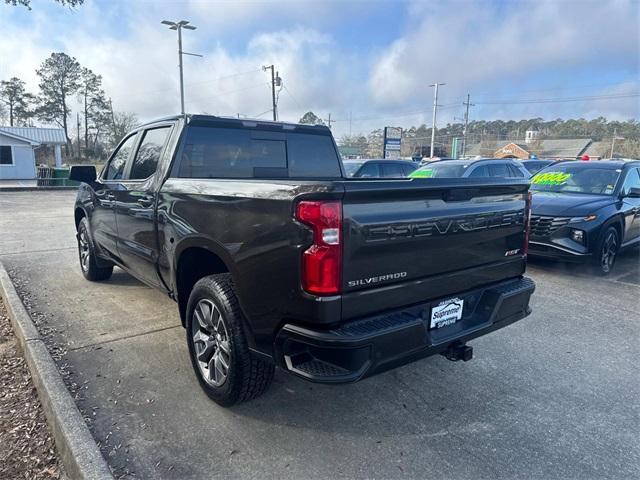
{"x":322,"y":261}
{"x":527,"y":224}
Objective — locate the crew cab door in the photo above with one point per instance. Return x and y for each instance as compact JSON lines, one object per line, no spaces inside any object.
{"x":135,"y":212}
{"x":631,"y":206}
{"x":103,"y":217}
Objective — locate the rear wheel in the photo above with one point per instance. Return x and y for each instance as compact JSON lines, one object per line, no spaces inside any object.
{"x":607,"y":251}
{"x":226,"y":370}
{"x":88,"y":261}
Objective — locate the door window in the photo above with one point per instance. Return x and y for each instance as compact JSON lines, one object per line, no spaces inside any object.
{"x":632,"y":181}
{"x":392,"y":170}
{"x":146,"y":161}
{"x":115,"y":168}
{"x":498,"y":170}
{"x":369,"y":170}
{"x":408,"y":170}
{"x":481,"y":171}
{"x":515,"y":171}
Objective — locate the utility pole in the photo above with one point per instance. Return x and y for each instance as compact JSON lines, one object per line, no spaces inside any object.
{"x":276,"y":81}
{"x":349,"y":123}
{"x":179,"y":26}
{"x":78,"y":133}
{"x":328,"y":120}
{"x":613,"y":141}
{"x":435,"y":108}
{"x":466,"y":124}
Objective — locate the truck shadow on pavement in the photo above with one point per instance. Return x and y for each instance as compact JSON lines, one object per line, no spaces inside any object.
{"x":626,"y":268}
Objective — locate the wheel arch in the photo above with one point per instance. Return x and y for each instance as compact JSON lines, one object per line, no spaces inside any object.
{"x":617,"y":221}
{"x":195,"y":258}
{"x":78,"y":214}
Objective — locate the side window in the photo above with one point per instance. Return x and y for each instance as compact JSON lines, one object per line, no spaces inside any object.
{"x":115,"y":168}
{"x":498,"y":170}
{"x":515,"y":172}
{"x":392,"y":170}
{"x":146,"y":161}
{"x":632,"y":181}
{"x":408,"y":170}
{"x":6,"y":157}
{"x":369,"y":170}
{"x":481,"y":171}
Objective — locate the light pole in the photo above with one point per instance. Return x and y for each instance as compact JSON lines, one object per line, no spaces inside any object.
{"x":435,"y":107}
{"x":276,"y":81}
{"x":179,"y":26}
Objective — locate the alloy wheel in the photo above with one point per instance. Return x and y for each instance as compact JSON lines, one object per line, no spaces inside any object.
{"x":211,"y":343}
{"x":608,"y":253}
{"x":83,"y":246}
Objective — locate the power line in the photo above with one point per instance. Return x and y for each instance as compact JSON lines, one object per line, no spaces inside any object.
{"x":292,"y":97}
{"x":560,"y":99}
{"x":231,"y":91}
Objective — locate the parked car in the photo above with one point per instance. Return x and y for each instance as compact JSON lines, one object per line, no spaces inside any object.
{"x":378,"y":168}
{"x":586,"y":211}
{"x":482,"y":168}
{"x":275,"y":257}
{"x":534,"y":166}
{"x":428,"y":160}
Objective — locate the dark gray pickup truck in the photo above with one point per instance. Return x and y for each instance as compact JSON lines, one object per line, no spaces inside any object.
{"x":276,"y":258}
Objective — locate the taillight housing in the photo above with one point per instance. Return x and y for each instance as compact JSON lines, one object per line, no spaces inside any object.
{"x":322,"y":261}
{"x":527,"y":224}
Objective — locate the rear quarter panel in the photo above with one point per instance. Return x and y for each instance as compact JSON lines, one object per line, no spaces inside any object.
{"x":249,"y":224}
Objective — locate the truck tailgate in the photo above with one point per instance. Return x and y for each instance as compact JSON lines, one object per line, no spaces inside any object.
{"x":406,"y":241}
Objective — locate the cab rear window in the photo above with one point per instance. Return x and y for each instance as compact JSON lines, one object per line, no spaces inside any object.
{"x":249,"y":153}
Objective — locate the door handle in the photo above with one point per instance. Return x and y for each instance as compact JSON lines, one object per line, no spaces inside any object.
{"x":110,"y":196}
{"x":145,"y":201}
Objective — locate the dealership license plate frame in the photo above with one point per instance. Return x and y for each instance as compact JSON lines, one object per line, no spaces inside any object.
{"x":448,"y":319}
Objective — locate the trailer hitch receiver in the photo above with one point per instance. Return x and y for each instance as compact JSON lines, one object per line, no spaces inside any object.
{"x":458,"y":351}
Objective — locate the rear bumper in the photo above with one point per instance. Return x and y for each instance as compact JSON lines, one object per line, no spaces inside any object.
{"x":367,"y":346}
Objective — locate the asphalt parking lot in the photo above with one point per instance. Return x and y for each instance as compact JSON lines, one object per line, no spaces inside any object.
{"x":556,"y":395}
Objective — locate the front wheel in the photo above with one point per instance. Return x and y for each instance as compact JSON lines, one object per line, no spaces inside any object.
{"x":226,"y":370}
{"x":88,"y":261}
{"x":607,"y":251}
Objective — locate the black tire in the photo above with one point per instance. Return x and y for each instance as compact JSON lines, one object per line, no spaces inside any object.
{"x":216,"y":338}
{"x":606,"y":252}
{"x":88,"y":260}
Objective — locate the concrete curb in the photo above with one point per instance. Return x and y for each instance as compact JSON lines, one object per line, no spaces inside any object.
{"x":78,"y":451}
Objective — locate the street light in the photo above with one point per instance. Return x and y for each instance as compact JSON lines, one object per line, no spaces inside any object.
{"x":179,"y":26}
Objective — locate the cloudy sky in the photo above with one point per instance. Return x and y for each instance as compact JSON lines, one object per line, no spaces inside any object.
{"x":371,"y":61}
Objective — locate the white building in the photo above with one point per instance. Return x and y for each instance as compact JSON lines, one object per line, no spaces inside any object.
{"x":17,"y":150}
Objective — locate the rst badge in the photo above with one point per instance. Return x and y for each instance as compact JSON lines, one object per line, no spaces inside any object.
{"x":446,"y":313}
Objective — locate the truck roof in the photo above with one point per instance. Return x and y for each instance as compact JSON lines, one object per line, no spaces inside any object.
{"x":233,"y":122}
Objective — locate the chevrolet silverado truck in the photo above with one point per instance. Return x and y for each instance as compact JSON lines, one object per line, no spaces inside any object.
{"x":276,"y":258}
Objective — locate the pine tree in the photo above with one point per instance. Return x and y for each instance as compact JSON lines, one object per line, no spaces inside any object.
{"x":18,"y":101}
{"x":60,"y":77}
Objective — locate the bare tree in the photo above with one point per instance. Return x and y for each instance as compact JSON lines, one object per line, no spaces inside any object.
{"x":122,"y":123}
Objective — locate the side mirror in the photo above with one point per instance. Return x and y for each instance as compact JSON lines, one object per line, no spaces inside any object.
{"x":83,"y":173}
{"x":634,"y":192}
